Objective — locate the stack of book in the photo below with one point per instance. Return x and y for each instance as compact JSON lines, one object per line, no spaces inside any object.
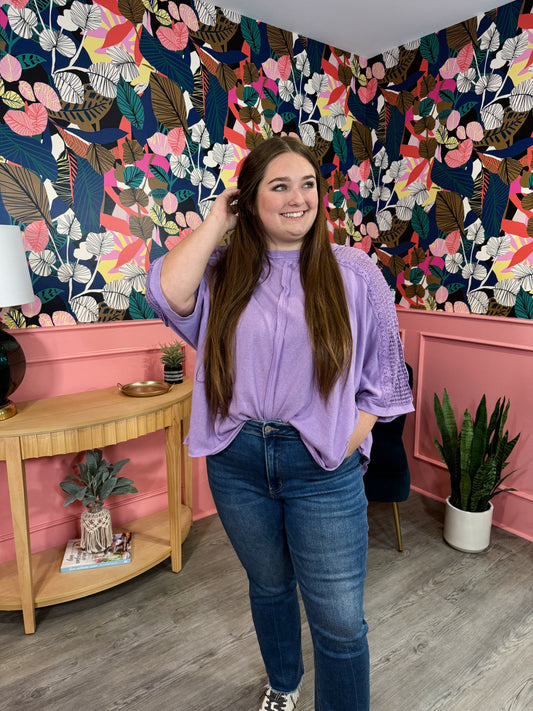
{"x":76,"y":558}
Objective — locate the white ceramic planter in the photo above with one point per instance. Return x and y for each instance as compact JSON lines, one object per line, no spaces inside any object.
{"x":467,"y":531}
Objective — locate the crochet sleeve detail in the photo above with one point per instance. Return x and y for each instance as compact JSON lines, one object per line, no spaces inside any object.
{"x":397,"y":396}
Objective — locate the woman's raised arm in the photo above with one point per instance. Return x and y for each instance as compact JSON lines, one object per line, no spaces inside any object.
{"x":184,"y":266}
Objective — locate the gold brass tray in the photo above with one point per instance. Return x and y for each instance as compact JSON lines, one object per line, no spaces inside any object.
{"x":146,"y":388}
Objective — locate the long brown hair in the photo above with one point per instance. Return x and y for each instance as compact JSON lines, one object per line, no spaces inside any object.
{"x":235,"y":276}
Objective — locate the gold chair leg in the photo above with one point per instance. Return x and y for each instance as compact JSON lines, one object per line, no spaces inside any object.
{"x":396,"y":512}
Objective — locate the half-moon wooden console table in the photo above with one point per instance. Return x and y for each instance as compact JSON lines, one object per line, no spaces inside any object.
{"x":74,"y":423}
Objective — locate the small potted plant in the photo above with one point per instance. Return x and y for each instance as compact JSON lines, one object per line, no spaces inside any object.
{"x":172,"y":357}
{"x":475,"y":456}
{"x":96,"y":480}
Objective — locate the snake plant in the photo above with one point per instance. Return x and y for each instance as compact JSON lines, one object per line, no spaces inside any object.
{"x":476,"y":454}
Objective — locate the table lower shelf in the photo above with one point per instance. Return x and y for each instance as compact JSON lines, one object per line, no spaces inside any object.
{"x":150,"y":546}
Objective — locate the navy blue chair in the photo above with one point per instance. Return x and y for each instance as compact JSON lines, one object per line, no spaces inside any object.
{"x":388,"y":478}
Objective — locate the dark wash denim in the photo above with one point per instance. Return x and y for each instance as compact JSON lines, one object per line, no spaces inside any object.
{"x":293,"y":523}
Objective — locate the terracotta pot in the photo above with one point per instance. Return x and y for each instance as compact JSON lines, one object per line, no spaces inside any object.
{"x":467,"y":531}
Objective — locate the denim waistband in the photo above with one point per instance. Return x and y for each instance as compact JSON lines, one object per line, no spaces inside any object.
{"x":270,"y":428}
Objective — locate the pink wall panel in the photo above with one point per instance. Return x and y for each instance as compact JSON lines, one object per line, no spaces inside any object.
{"x":70,"y":359}
{"x":470,"y":356}
{"x":470,"y":368}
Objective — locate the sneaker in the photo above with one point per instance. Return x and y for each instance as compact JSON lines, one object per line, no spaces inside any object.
{"x":278,"y":700}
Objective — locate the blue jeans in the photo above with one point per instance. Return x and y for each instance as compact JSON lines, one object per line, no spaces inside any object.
{"x":292,"y":522}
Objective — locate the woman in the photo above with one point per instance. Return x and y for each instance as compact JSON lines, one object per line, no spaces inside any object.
{"x":298,"y":355}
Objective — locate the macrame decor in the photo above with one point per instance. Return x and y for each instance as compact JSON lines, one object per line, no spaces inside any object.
{"x":96,"y":529}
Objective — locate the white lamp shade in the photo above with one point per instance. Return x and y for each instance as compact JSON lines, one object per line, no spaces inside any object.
{"x":15,"y":280}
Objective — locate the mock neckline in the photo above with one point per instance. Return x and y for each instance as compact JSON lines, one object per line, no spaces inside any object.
{"x":283,"y":253}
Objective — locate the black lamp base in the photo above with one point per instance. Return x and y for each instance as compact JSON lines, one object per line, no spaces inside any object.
{"x":12,"y":370}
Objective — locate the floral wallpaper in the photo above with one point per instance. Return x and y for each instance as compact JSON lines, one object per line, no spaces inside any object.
{"x":121,"y":120}
{"x":444,"y":159}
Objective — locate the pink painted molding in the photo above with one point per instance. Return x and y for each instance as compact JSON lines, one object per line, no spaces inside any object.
{"x":422,"y":389}
{"x":67,"y":359}
{"x":470,"y":355}
{"x":64,"y":359}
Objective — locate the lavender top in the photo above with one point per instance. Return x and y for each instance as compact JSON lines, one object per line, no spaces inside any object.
{"x":273,"y":377}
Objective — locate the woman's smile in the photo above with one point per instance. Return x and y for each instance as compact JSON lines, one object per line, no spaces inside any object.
{"x":293,"y":215}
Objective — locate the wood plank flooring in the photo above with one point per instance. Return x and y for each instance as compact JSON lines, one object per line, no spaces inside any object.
{"x":448,"y":631}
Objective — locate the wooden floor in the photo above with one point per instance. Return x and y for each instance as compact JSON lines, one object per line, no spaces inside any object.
{"x":448,"y":631}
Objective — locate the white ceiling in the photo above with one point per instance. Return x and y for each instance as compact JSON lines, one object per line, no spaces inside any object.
{"x":364,"y":27}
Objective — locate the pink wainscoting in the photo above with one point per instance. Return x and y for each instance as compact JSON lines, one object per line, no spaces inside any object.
{"x":468,"y":355}
{"x":471,"y":355}
{"x":68,"y":359}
